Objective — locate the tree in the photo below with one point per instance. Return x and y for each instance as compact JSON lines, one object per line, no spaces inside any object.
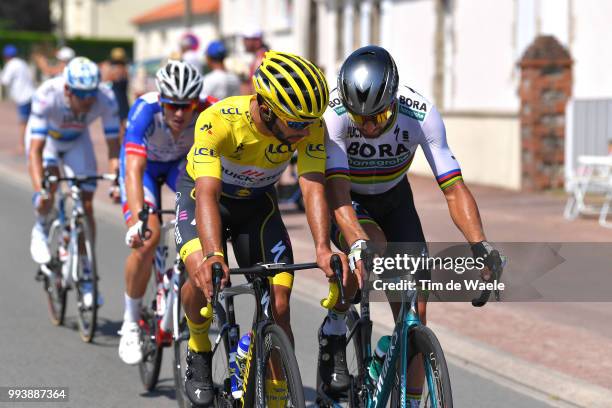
{"x":27,"y":15}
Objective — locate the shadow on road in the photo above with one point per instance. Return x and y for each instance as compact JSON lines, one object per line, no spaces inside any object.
{"x":164,"y":388}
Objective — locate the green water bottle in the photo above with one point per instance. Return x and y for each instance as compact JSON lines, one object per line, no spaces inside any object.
{"x":379,"y":357}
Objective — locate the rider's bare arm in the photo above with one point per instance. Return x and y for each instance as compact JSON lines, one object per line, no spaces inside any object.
{"x":35,"y":162}
{"x":464,"y":212}
{"x":134,"y":170}
{"x":208,"y":218}
{"x":339,"y":198}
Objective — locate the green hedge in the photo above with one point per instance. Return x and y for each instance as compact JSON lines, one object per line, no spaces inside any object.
{"x":97,"y":49}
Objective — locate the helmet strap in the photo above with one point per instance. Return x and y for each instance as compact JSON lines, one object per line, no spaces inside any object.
{"x":265,"y":112}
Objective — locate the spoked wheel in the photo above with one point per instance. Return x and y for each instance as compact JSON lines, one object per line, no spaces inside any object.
{"x":283,"y":383}
{"x":437,"y":391}
{"x":54,"y":288}
{"x":152,"y":351}
{"x":87,"y":284}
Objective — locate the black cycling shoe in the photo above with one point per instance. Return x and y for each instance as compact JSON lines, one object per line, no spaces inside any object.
{"x":198,"y":378}
{"x":332,"y":372}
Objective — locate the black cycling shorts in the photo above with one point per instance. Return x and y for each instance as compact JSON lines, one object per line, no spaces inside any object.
{"x":395,"y":214}
{"x":255,"y":227}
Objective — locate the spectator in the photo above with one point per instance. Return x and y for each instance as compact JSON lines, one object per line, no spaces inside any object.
{"x":219,"y":83}
{"x":189,"y":51}
{"x":62,"y":56}
{"x":253,"y":44}
{"x":17,"y":77}
{"x":118,"y":74}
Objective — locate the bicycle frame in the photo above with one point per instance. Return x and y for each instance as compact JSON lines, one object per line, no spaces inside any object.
{"x":260,"y":289}
{"x":378,"y":394}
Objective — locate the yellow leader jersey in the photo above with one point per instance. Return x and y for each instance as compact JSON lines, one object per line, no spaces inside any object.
{"x":228,"y":146}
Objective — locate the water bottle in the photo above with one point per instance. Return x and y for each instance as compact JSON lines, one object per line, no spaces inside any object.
{"x":238,"y":364}
{"x":379,"y":357}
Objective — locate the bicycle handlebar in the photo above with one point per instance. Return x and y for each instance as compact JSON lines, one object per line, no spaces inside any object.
{"x":497,"y":271}
{"x":269,"y":270}
{"x":143,"y":215}
{"x":336,"y":289}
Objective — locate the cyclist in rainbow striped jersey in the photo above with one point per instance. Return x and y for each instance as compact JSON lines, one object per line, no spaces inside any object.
{"x":375,"y":127}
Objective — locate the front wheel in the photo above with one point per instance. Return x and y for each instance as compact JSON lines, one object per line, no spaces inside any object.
{"x":437,"y":391}
{"x":87,"y":283}
{"x":283,"y":383}
{"x":152,"y":350}
{"x":53,"y":285}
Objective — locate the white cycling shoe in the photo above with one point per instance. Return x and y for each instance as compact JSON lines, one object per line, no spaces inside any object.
{"x":38,"y":245}
{"x":88,"y":295}
{"x":130,"y":348}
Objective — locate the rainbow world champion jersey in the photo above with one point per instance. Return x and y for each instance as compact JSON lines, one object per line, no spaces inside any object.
{"x":228,"y":146}
{"x":378,"y":164}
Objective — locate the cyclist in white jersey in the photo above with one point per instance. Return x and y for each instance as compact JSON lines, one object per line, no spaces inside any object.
{"x":158,"y":137}
{"x":58,"y":133}
{"x":375,"y":127}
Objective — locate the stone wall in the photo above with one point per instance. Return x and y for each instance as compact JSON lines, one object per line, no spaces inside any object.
{"x":545,"y":88}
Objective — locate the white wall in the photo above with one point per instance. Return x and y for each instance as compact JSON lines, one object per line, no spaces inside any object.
{"x":159,"y":40}
{"x":487,"y":147}
{"x":108,"y":18}
{"x":483,"y":73}
{"x":591,"y":48}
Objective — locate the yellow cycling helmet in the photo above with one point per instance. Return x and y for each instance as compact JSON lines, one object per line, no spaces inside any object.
{"x":294,"y":87}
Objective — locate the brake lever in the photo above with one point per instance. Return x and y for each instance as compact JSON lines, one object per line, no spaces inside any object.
{"x":336,"y":264}
{"x":143,"y":215}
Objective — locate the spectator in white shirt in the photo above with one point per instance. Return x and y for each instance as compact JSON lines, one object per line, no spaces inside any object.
{"x":16,"y":76}
{"x":219,"y":83}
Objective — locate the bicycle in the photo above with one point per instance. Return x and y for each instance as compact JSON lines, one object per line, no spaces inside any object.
{"x":410,"y":339}
{"x":268,"y":341}
{"x":72,"y":251}
{"x":156,"y":314}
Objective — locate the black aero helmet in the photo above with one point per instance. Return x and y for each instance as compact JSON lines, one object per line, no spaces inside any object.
{"x":368,"y":81}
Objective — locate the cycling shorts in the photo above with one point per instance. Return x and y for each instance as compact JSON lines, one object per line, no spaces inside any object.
{"x":77,"y":157}
{"x":254,"y":225}
{"x":155,"y":175}
{"x":395,"y":214}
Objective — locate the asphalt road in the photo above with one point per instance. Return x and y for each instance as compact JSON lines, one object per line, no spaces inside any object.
{"x":34,"y":353}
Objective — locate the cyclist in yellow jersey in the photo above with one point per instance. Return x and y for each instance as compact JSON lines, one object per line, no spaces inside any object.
{"x":242,"y":145}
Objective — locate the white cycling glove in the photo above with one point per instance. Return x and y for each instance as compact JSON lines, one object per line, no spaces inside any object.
{"x":355,"y":254}
{"x":133,"y":231}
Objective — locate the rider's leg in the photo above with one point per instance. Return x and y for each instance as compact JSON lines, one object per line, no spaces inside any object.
{"x":198,"y":373}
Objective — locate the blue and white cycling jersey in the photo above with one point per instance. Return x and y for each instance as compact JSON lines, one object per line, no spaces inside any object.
{"x":51,"y":116}
{"x":147,"y":135}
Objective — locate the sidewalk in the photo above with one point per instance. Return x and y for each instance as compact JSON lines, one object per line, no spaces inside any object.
{"x":573,"y":339}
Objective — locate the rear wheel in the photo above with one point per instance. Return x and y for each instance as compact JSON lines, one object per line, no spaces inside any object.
{"x":54,"y":289}
{"x":87,"y":284}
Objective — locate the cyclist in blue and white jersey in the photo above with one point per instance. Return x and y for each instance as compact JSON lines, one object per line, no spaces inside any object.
{"x":159,"y":134}
{"x":375,"y":127}
{"x":57,"y":133}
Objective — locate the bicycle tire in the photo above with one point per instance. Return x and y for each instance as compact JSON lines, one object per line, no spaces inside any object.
{"x":54,"y":288}
{"x":423,"y":341}
{"x":355,"y":360}
{"x":152,"y":352}
{"x":87,"y":316}
{"x":276,"y":340}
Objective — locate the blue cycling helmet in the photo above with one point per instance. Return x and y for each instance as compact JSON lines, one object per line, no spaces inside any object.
{"x":82,"y":74}
{"x":9,"y":51}
{"x":216,"y":50}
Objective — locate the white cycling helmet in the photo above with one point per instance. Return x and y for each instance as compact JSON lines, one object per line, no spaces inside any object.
{"x":82,"y":74}
{"x":178,"y":80}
